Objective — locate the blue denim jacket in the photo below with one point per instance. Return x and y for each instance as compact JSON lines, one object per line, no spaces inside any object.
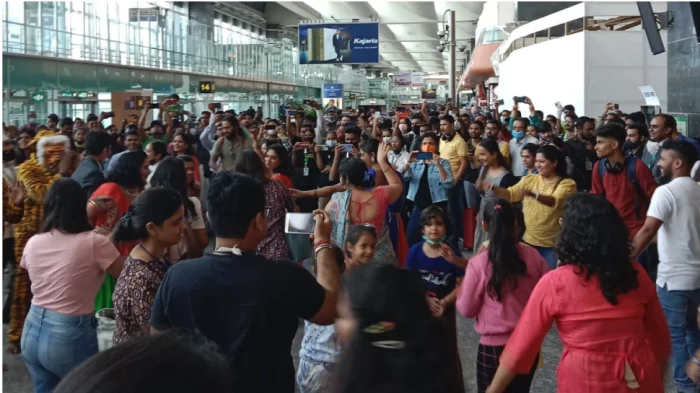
{"x":438,"y":188}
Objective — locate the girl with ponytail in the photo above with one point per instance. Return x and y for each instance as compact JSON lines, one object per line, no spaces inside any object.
{"x":156,"y":219}
{"x":497,"y":285}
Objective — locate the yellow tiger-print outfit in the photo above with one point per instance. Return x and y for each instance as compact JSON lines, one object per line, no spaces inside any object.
{"x":37,"y":180}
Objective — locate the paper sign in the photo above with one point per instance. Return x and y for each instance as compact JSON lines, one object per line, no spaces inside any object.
{"x":650,"y":96}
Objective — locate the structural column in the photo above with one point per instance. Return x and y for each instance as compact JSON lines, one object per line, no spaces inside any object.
{"x":453,"y":60}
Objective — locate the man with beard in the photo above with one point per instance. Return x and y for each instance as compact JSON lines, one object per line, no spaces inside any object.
{"x":232,"y":143}
{"x":493,"y":129}
{"x":36,"y":176}
{"x":581,"y":152}
{"x":637,"y":137}
{"x":674,"y":214}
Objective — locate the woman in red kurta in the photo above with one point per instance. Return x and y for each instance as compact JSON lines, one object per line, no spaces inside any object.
{"x":605,"y":306}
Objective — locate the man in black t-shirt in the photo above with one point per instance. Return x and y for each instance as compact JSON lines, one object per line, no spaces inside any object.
{"x":245,"y":303}
{"x":581,"y":152}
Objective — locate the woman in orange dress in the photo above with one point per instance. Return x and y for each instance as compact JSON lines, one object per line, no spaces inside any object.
{"x":605,"y":306}
{"x":110,"y":201}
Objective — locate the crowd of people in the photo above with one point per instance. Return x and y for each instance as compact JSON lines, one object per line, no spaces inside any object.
{"x":587,"y":222}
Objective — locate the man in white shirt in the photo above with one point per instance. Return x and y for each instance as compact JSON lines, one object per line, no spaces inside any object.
{"x":520,"y":139}
{"x":674,"y":213}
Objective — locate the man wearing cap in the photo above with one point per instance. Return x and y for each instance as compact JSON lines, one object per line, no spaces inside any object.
{"x":36,"y":176}
{"x":156,"y":131}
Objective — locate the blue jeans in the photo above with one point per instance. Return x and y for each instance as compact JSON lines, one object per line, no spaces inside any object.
{"x":53,"y":344}
{"x":681,"y":309}
{"x":549,"y":254}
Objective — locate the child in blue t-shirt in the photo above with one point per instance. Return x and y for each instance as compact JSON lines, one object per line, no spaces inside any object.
{"x":442,"y":269}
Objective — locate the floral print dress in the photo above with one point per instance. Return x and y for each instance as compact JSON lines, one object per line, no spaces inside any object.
{"x":133,"y":298}
{"x":278,"y":201}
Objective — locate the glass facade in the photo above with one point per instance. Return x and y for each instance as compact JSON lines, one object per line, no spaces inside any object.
{"x":104,"y":46}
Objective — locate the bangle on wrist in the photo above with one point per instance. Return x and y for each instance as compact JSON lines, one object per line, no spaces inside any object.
{"x":319,"y":243}
{"x":321,"y":247}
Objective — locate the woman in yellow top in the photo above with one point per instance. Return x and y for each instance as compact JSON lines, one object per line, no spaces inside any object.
{"x":543,"y":197}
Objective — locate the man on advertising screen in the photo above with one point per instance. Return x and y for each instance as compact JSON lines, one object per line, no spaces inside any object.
{"x":338,"y":45}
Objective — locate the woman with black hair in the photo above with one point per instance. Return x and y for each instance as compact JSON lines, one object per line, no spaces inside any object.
{"x":110,"y":201}
{"x":182,"y":146}
{"x":494,"y":171}
{"x":605,"y":307}
{"x":194,"y":189}
{"x":24,"y":150}
{"x":156,"y":152}
{"x":278,"y":201}
{"x":495,"y":289}
{"x":155,"y":220}
{"x":66,"y":262}
{"x":277,"y":161}
{"x":178,"y":361}
{"x":392,"y":342}
{"x":543,"y":195}
{"x":171,"y":174}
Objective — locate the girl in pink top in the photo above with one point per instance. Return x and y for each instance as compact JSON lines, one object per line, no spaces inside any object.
{"x":496,"y":287}
{"x":66,"y":263}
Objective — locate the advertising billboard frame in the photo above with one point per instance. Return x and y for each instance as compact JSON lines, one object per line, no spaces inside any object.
{"x":374,"y":40}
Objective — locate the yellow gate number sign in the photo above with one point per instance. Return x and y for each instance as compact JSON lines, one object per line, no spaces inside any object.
{"x":207,"y":87}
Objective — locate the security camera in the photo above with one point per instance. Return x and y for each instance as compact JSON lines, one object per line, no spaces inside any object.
{"x":440,"y":48}
{"x":441,"y":34}
{"x":444,"y":41}
{"x":462,"y":48}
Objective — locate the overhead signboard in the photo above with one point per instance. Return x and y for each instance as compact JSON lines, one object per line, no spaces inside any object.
{"x":417,"y":79}
{"x":339,"y":43}
{"x":332,"y":90}
{"x":332,"y":95}
{"x":402,"y":79}
{"x":80,"y":95}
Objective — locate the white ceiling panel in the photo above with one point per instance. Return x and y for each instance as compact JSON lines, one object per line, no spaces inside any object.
{"x":408,"y":30}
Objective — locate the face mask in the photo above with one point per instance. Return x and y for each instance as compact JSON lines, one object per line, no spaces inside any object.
{"x":505,"y":120}
{"x":434,"y":242}
{"x":387,"y":140}
{"x":8,"y":155}
{"x":518,"y":134}
{"x":32,"y":120}
{"x":271,"y":132}
{"x":331,"y":142}
{"x":397,"y":151}
{"x":403,"y":127}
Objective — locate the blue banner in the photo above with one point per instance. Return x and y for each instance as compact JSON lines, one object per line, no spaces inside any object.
{"x":332,"y":90}
{"x":339,"y":43}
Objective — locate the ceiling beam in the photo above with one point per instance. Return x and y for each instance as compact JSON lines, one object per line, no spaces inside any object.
{"x":418,"y":40}
{"x":425,"y":22}
{"x":301,"y":9}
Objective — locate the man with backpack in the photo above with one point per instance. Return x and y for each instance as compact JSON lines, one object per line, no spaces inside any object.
{"x":624,"y":180}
